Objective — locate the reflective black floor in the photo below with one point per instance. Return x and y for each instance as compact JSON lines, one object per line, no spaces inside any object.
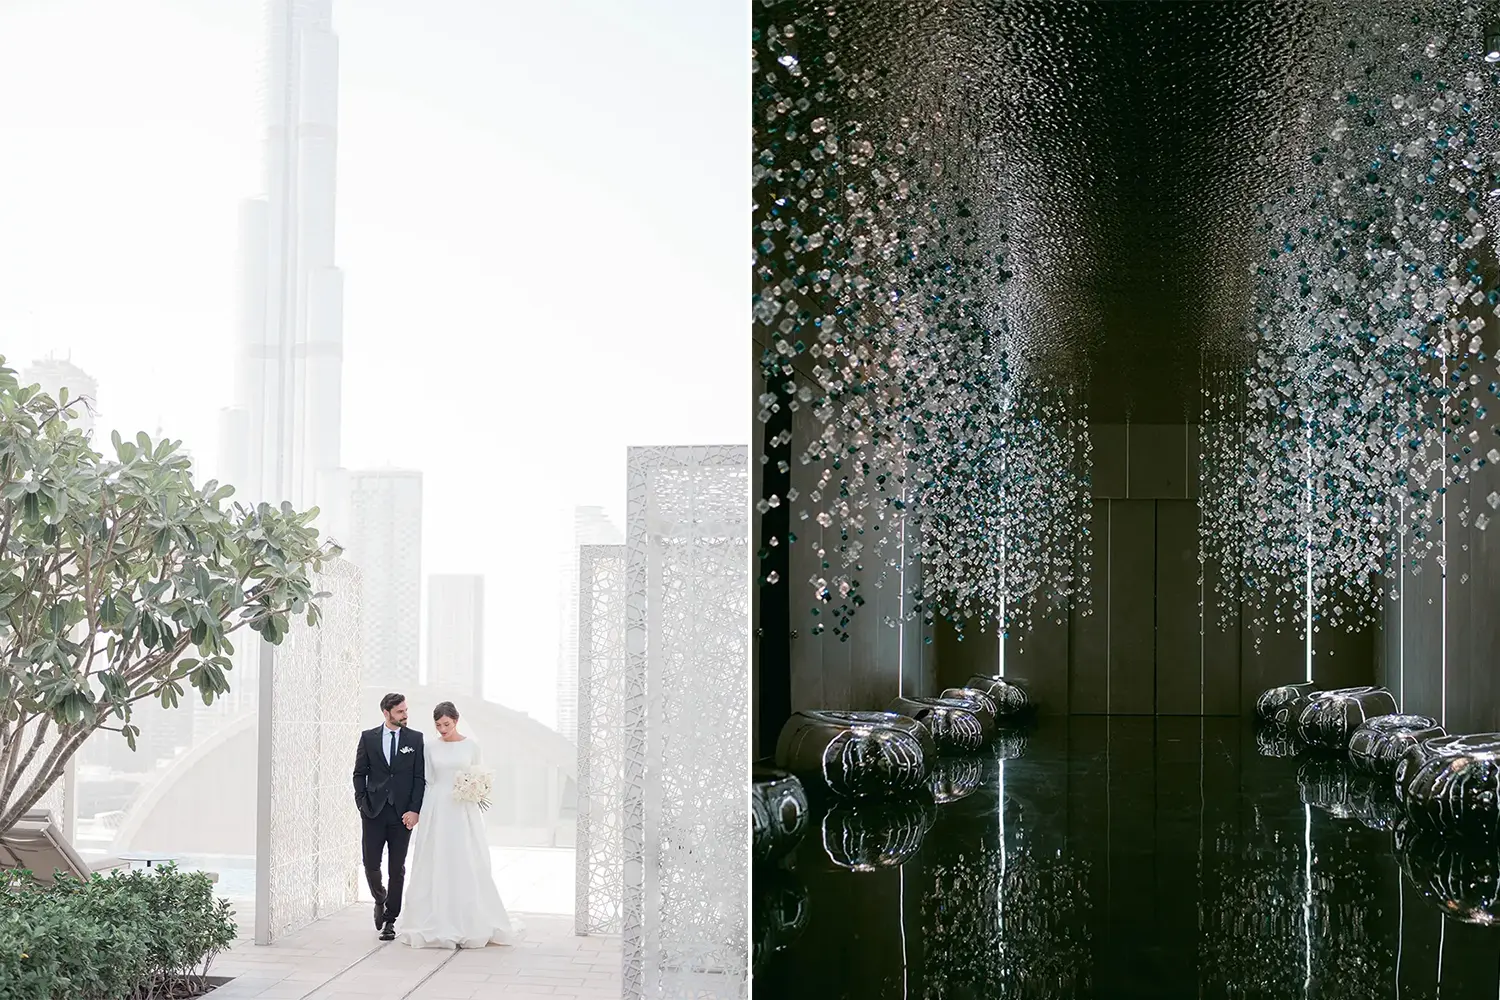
{"x":1130,"y":857}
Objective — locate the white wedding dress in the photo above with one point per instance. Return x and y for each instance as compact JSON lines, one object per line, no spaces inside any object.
{"x":451,"y":899}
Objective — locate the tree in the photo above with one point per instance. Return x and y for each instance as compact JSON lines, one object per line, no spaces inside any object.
{"x":120,"y":580}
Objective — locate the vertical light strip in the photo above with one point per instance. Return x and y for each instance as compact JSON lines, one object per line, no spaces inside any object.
{"x":1000,"y":897}
{"x":901,"y":888}
{"x":1109,"y":566}
{"x":1000,"y":664}
{"x":1400,"y":928}
{"x":1442,"y":941}
{"x":1308,"y":607}
{"x":1307,"y":899}
{"x":901,"y":609}
{"x":1443,"y":594}
{"x":1401,"y":608}
{"x":1443,"y":659}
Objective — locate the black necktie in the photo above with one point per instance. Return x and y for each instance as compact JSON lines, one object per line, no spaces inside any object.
{"x":393,"y":747}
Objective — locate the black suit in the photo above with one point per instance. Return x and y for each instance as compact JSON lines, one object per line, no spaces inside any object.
{"x":384,"y":792}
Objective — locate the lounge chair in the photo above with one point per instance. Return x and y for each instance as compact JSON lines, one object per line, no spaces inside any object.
{"x":37,"y":844}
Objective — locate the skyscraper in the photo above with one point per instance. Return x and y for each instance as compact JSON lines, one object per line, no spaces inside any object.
{"x":384,"y":539}
{"x":53,"y":374}
{"x":280,"y":439}
{"x":591,"y":526}
{"x":455,"y":633}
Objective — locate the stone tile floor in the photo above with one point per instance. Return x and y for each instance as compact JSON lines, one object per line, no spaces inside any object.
{"x":339,"y":958}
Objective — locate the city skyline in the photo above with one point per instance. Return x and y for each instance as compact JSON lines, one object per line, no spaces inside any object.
{"x":384,"y":539}
{"x":455,"y":632}
{"x":124,"y":252}
{"x":280,"y":440}
{"x":591,"y":526}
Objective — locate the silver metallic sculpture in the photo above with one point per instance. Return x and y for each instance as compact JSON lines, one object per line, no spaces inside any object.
{"x":989,"y":716}
{"x":874,"y":835}
{"x":1330,"y":717}
{"x":779,"y":811}
{"x":1378,"y":743}
{"x":1009,"y":697}
{"x":958,"y":725}
{"x":1280,"y":706}
{"x":1418,"y":755}
{"x":1456,"y":785}
{"x":858,"y":755}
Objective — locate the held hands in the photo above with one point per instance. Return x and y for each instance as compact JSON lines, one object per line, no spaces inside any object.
{"x":410,"y":819}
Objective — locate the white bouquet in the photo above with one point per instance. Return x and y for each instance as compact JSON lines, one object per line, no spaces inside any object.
{"x":473,"y":784}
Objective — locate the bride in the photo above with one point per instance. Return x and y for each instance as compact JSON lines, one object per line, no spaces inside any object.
{"x":451,"y":899}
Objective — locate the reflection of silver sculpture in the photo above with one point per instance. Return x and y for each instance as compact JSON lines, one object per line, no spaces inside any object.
{"x":779,"y":910}
{"x":1460,"y":875}
{"x":875,"y":835}
{"x":956,"y":725}
{"x":1323,"y":782}
{"x":1330,"y":717}
{"x":1005,"y":919}
{"x":1372,"y":798}
{"x":1010,"y":744}
{"x":1009,"y":698}
{"x":1281,"y":705}
{"x":857,"y":755}
{"x":778,"y":811}
{"x":1457,"y":785}
{"x":1378,"y":743}
{"x":1277,"y":741}
{"x":955,"y":777}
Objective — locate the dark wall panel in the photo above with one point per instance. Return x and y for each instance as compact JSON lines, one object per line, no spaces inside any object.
{"x":1422,"y":637}
{"x":1038,"y":661}
{"x":1179,"y":639}
{"x":1158,"y":462}
{"x":1343,"y":657}
{"x":1194,"y":459}
{"x":978,"y":652}
{"x":1132,"y":610}
{"x":1088,"y":633}
{"x":1479,"y":676}
{"x":1110,"y":460}
{"x":1270,"y":654}
{"x":1222,"y":660}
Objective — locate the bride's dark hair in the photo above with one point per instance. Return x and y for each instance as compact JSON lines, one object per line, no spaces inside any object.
{"x":445,"y":710}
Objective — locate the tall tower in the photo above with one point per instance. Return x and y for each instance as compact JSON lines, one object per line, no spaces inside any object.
{"x":384,"y":539}
{"x":455,"y":633}
{"x":280,"y":439}
{"x":591,"y":526}
{"x":53,"y":373}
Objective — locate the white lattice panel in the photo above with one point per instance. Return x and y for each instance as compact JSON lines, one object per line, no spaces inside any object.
{"x":601,"y":738}
{"x":687,"y":740}
{"x":314,"y":861}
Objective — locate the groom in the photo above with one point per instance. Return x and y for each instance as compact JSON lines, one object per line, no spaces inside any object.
{"x":389,"y":781}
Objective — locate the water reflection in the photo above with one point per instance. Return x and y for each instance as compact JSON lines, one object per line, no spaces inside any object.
{"x":1136,"y":858}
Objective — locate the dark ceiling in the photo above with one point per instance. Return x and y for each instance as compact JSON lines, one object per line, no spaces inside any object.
{"x":1124,"y":148}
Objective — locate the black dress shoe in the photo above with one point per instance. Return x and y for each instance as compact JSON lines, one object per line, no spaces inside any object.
{"x":388,"y":932}
{"x":379,"y":910}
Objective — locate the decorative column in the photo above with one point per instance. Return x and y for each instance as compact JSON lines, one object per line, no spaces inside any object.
{"x":686,"y":715}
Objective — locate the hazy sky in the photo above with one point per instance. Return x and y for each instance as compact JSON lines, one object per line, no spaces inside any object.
{"x":541,"y":223}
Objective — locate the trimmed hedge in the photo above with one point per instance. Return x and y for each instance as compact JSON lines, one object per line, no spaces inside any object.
{"x":126,"y":936}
